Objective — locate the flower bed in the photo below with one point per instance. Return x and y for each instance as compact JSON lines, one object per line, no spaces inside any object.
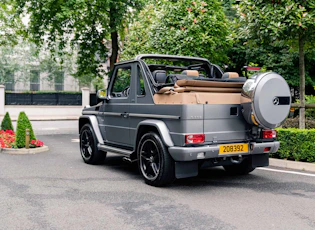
{"x":14,"y":143}
{"x":36,"y":143}
{"x":8,"y":137}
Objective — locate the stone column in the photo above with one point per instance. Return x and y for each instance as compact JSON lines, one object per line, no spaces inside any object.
{"x":85,"y":96}
{"x":2,"y":100}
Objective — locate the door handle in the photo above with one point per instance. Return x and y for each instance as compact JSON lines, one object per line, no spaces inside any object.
{"x":125,"y":115}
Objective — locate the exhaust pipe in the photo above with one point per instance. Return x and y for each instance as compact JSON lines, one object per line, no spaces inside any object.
{"x":238,"y":160}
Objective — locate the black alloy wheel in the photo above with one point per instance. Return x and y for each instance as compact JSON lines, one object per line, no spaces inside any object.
{"x":150,"y":160}
{"x":88,"y":146}
{"x":155,"y":163}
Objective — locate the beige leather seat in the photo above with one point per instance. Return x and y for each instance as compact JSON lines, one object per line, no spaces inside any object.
{"x":230,"y":75}
{"x":193,"y":73}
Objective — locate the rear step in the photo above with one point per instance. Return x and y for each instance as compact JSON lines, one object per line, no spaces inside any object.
{"x":124,"y":152}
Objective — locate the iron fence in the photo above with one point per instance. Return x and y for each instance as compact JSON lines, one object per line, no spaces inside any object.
{"x":43,"y":98}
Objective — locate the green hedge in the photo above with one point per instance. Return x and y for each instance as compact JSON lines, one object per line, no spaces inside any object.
{"x":23,"y":123}
{"x":296,"y":144}
{"x":7,"y":123}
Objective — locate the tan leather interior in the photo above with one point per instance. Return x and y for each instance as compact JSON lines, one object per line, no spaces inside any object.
{"x":171,"y":89}
{"x":200,"y":92}
{"x":198,"y":83}
{"x":194,"y":73}
{"x":198,"y":89}
{"x":213,"y":89}
{"x":198,"y":98}
{"x":232,"y":74}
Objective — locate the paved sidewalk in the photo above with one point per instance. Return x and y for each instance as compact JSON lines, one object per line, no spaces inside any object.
{"x":295,"y":165}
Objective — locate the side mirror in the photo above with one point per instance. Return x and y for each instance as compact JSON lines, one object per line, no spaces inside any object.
{"x":101,"y":94}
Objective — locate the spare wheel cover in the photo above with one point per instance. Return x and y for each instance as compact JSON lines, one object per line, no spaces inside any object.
{"x":272,"y":100}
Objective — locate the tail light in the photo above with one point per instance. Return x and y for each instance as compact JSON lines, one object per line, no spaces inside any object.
{"x":194,"y":138}
{"x":269,"y":134}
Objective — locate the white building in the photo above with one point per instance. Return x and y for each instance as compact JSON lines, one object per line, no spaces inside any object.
{"x":22,"y":70}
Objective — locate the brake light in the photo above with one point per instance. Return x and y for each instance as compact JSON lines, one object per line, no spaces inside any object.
{"x":194,"y":138}
{"x":269,"y":134}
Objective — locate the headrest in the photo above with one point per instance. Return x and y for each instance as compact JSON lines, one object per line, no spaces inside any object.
{"x":194,"y":73}
{"x":230,"y":75}
{"x":159,"y":76}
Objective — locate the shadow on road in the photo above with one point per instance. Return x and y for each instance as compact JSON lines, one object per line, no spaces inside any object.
{"x":207,"y":177}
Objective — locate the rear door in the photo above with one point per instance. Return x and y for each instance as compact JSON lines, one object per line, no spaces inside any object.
{"x":224,"y":123}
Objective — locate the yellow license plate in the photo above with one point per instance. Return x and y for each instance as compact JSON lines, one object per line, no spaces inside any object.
{"x":233,"y":148}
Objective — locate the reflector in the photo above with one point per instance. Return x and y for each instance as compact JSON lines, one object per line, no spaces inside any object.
{"x":267,"y":149}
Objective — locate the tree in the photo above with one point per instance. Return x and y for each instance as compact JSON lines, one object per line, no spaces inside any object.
{"x":6,"y":123}
{"x":10,"y":26}
{"x":291,"y":21}
{"x":83,"y":25}
{"x":190,"y":28}
{"x":23,"y":123}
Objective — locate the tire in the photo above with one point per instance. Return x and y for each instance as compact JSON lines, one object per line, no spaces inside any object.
{"x":243,"y":168}
{"x":88,"y":146}
{"x":155,"y":163}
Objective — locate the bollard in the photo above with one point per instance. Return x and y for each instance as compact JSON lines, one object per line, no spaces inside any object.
{"x":27,"y":138}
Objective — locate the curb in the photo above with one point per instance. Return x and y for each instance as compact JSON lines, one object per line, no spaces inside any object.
{"x":24,"y":151}
{"x":292,"y":165}
{"x":47,"y":118}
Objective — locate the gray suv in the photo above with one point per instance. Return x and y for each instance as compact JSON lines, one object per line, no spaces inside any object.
{"x":174,"y":115}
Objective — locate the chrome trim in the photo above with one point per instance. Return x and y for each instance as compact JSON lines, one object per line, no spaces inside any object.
{"x":124,"y":152}
{"x":91,"y":112}
{"x":116,"y":126}
{"x":153,"y":116}
{"x":112,"y":114}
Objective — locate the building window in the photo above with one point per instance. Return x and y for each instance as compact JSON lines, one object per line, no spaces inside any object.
{"x":34,"y":80}
{"x":9,"y":80}
{"x":59,"y":80}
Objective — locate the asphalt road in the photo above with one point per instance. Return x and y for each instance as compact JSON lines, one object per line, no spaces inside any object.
{"x":56,"y":190}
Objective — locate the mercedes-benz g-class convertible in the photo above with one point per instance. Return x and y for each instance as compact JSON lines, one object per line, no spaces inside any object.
{"x":174,"y":115}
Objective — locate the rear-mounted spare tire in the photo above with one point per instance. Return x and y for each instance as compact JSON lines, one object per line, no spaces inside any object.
{"x":266,"y":100}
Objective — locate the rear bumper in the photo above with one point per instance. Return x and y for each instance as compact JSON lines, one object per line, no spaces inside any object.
{"x":212,"y":151}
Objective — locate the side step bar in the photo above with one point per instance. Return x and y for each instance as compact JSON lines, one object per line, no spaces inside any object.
{"x":107,"y":148}
{"x":129,"y":160}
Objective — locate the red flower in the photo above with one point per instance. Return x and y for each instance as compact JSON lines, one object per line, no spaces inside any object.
{"x":36,"y":143}
{"x":7,"y":138}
